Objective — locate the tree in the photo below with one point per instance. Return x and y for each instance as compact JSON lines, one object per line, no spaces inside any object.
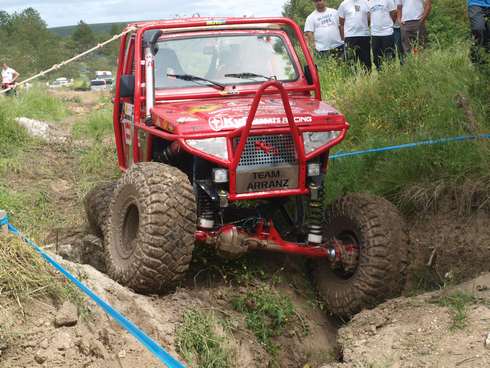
{"x":83,"y":37}
{"x":298,"y":10}
{"x":26,"y":42}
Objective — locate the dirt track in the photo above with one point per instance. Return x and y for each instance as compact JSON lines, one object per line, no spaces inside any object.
{"x":406,"y":332}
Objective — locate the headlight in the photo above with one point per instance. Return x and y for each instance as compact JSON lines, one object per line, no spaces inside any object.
{"x":314,"y":169}
{"x":212,"y":146}
{"x":314,"y":140}
{"x":220,"y":176}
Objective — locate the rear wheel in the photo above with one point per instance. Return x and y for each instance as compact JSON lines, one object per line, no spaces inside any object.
{"x":371,"y":255}
{"x":96,"y":205}
{"x":151,"y":226}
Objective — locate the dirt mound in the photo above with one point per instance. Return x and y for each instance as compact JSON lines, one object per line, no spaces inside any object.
{"x":97,"y":341}
{"x":448,"y":248}
{"x":448,"y":328}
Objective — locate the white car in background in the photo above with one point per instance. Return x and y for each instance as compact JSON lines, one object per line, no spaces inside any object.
{"x":99,"y":85}
{"x":60,"y":82}
{"x":103,"y":81}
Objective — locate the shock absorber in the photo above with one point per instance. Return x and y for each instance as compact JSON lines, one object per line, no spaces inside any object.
{"x":207,"y":211}
{"x":315,"y":220}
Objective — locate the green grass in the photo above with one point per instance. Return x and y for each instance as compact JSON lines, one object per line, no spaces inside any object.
{"x":403,"y":104}
{"x":25,"y":275}
{"x":12,"y":137}
{"x":268,"y":314}
{"x":96,"y":126}
{"x":458,"y":303}
{"x":36,"y":104}
{"x":202,"y":341}
{"x":33,"y":211}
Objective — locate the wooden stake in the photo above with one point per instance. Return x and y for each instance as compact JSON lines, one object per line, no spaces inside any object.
{"x":5,"y":228}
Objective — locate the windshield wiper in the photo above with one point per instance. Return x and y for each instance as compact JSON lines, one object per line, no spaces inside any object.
{"x":249,"y":76}
{"x":195,"y":78}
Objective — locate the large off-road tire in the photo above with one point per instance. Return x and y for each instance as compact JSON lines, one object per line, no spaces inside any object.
{"x":150,"y":230}
{"x":377,"y":230}
{"x":96,"y":204}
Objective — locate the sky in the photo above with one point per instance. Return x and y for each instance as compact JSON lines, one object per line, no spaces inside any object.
{"x":69,"y":12}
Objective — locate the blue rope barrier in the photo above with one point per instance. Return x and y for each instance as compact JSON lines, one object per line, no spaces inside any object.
{"x":125,"y":323}
{"x":4,"y":221}
{"x":408,"y":145}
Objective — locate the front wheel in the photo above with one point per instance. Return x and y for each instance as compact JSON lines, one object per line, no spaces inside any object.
{"x":150,"y":230}
{"x":371,"y":259}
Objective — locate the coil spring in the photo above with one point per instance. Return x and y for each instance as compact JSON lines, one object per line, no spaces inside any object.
{"x":206,"y":207}
{"x":315,"y":220}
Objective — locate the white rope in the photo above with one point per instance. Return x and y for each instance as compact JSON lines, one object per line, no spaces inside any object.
{"x":62,"y":64}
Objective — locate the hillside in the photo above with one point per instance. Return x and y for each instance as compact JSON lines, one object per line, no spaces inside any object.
{"x":105,"y":28}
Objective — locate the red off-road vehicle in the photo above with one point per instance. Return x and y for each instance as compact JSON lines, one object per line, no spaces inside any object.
{"x":209,"y":113}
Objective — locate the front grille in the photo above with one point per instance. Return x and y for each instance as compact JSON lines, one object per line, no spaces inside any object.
{"x":268,"y":150}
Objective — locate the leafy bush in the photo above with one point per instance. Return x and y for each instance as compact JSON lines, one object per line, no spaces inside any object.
{"x":81,"y":84}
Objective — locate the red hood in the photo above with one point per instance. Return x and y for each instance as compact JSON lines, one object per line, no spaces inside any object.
{"x":226,"y":114}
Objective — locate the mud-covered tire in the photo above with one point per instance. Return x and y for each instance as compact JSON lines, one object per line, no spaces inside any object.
{"x":149,"y":236}
{"x":381,"y":234}
{"x":96,"y":204}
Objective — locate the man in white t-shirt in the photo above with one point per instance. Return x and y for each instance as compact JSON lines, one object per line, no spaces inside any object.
{"x":383,"y":15}
{"x":9,"y":76}
{"x":354,"y":29}
{"x":412,"y":15}
{"x":322,"y":31}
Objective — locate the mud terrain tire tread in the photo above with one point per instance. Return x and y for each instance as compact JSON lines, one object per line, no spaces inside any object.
{"x":96,"y":204}
{"x":165,"y":237}
{"x":381,"y":272}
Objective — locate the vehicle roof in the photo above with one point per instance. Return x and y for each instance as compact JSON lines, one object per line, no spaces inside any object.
{"x":213,"y":22}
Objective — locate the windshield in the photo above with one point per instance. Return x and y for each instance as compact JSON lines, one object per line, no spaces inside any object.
{"x":215,"y":58}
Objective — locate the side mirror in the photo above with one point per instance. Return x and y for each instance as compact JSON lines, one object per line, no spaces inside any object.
{"x":308,"y":75}
{"x":126,"y":85}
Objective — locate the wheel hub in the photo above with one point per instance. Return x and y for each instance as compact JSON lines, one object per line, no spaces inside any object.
{"x":344,"y":255}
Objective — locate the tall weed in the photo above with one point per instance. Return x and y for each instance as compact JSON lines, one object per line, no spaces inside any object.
{"x":401,"y":104}
{"x":37,"y":104}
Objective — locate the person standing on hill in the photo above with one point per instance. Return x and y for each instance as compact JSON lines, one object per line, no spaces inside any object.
{"x":477,"y":11}
{"x":412,"y":15}
{"x":9,"y":76}
{"x":397,"y":33}
{"x":383,"y":15}
{"x":354,"y":29}
{"x":322,"y":31}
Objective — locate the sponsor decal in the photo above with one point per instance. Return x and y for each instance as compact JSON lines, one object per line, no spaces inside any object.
{"x":267,"y":180}
{"x":166,"y":125}
{"x":128,"y":110}
{"x":204,"y":108}
{"x":229,"y":93}
{"x":127,"y":132}
{"x":186,"y":119}
{"x":216,"y":22}
{"x":218,"y":123}
{"x":267,"y":148}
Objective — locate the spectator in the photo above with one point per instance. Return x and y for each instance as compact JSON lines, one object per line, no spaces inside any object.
{"x":9,"y":76}
{"x":383,"y":15}
{"x":477,"y":11}
{"x":412,"y":15}
{"x":398,"y":39}
{"x":323,"y":32}
{"x":354,"y":29}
